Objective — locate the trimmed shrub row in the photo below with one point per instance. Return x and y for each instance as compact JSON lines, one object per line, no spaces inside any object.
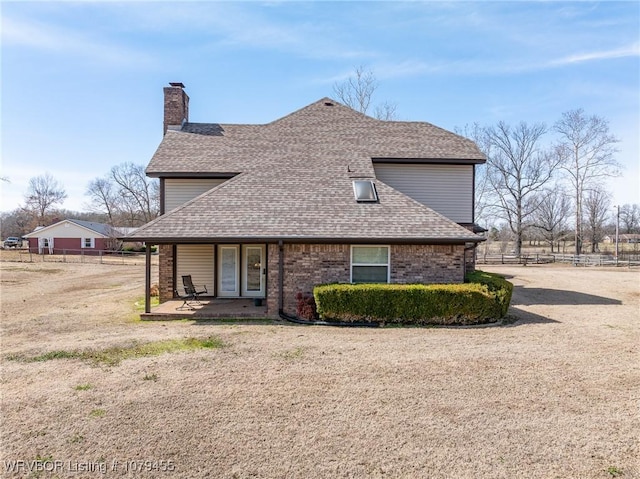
{"x":499,"y":287}
{"x":485,"y":298}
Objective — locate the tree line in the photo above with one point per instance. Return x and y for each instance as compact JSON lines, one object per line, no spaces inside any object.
{"x":123,"y":197}
{"x":536,"y":180}
{"x":535,"y":185}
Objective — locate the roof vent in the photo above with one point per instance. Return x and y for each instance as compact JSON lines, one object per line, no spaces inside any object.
{"x":328,"y":103}
{"x":365,"y":191}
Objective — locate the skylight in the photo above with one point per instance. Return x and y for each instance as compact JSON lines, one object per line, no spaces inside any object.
{"x":364,"y":190}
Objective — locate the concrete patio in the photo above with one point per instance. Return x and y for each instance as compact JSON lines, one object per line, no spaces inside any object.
{"x":211,"y":308}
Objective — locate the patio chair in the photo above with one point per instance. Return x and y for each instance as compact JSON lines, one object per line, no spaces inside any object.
{"x":191,"y":294}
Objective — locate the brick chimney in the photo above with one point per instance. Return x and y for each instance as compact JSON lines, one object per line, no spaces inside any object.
{"x":176,"y":105}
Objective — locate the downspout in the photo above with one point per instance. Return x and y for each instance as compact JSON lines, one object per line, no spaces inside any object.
{"x":295,"y":319}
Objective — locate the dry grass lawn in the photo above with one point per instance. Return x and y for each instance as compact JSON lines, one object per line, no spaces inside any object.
{"x":553,"y":395}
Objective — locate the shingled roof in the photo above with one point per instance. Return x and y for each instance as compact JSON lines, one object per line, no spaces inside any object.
{"x":293,"y":179}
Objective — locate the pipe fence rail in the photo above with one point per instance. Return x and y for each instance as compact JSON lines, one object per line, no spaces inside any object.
{"x":32,"y":255}
{"x":623,"y":260}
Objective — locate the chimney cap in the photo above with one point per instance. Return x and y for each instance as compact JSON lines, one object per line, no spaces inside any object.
{"x":177,"y":84}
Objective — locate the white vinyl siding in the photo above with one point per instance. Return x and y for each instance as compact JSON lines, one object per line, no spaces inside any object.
{"x":65,"y":229}
{"x":178,"y":191}
{"x":447,"y":189}
{"x":196,"y":260}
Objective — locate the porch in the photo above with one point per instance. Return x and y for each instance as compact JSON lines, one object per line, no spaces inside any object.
{"x":210,"y":308}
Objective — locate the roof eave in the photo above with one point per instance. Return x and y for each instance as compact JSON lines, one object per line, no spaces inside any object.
{"x":191,"y":174}
{"x":442,"y":161}
{"x":302,"y":239}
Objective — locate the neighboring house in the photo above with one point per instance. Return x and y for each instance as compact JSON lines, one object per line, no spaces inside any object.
{"x":324,"y":194}
{"x":623,"y":238}
{"x":73,"y":237}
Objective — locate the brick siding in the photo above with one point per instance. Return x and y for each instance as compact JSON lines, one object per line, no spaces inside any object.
{"x":165,"y":272}
{"x":306,"y":265}
{"x":427,"y":263}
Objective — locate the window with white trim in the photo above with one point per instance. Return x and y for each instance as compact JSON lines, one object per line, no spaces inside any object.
{"x":370,"y":264}
{"x":88,"y":242}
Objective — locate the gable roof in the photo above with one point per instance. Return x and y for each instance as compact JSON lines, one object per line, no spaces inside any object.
{"x":101,"y":229}
{"x":292,"y":179}
{"x":267,"y":206}
{"x":325,"y":131}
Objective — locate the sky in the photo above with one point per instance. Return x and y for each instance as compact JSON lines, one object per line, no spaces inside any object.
{"x":81,"y":82}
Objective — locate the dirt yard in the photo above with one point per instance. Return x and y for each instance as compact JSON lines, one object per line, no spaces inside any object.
{"x":555,"y":394}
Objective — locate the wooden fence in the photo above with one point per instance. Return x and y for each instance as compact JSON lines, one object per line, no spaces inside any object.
{"x":625,"y":259}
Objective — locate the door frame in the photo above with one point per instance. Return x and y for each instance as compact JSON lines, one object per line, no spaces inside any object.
{"x":245,"y":272}
{"x":241,"y":265}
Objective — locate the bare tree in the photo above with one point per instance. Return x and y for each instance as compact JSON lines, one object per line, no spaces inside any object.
{"x":103,"y":198}
{"x":484,"y":191}
{"x":357,"y":92}
{"x":597,"y":204}
{"x":16,"y":223}
{"x":385,"y":111}
{"x":43,"y":193}
{"x":586,"y":150}
{"x":630,"y":218}
{"x":139,"y":193}
{"x":551,"y":217}
{"x":518,"y":169}
{"x":126,"y":195}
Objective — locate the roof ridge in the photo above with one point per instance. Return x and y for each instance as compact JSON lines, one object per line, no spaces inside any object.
{"x":328,"y":102}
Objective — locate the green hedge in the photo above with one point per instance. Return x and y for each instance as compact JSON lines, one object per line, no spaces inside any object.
{"x":497,"y":285}
{"x":485,"y":298}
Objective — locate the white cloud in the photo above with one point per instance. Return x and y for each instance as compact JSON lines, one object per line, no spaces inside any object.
{"x":628,"y":51}
{"x":43,"y":36}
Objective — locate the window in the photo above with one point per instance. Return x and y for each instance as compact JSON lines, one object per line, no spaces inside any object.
{"x":364,"y":190}
{"x":369,"y":264}
{"x":88,"y":242}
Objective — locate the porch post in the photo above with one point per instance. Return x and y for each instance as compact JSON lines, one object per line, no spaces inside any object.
{"x":147,"y":279}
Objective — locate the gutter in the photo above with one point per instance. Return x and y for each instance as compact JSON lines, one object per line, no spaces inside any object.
{"x":304,"y":239}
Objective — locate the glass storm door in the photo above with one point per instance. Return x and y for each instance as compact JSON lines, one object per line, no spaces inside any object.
{"x":253,"y":271}
{"x":228,"y":271}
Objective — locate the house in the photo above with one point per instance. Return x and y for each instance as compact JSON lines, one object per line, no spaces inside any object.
{"x":629,"y":238}
{"x":73,"y":237}
{"x":324,"y":194}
